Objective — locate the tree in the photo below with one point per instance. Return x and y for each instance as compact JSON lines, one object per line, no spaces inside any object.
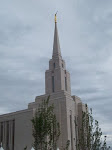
{"x":46,"y":129}
{"x":104,"y":146}
{"x":90,"y":134}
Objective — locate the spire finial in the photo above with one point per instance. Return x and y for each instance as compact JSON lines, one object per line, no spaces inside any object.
{"x":56,"y":17}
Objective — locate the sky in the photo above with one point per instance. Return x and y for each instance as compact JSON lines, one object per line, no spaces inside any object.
{"x":26,"y":44}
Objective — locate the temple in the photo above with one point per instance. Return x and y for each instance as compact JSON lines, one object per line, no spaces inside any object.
{"x":16,"y":127}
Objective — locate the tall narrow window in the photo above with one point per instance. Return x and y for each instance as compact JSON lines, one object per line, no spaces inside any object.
{"x":1,"y":132}
{"x":4,"y":131}
{"x":13,"y":134}
{"x":65,"y":83}
{"x":52,"y":83}
{"x":7,"y":137}
{"x":54,"y":65}
{"x":71,"y":130}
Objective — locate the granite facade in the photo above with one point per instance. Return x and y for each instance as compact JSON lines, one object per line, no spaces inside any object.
{"x":16,"y":128}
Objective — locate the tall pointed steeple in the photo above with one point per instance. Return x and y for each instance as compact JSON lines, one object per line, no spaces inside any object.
{"x":57,"y":78}
{"x":56,"y":45}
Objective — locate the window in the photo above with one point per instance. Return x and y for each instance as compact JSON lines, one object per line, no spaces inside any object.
{"x":13,"y":134}
{"x":65,"y":83}
{"x":62,"y":65}
{"x":7,"y":137}
{"x":1,"y":132}
{"x":71,"y":130}
{"x":52,"y":83}
{"x":54,"y":65}
{"x":7,"y":132}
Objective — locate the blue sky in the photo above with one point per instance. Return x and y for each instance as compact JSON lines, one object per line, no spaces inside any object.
{"x":26,"y":43}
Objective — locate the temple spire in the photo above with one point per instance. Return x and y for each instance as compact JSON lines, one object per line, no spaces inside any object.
{"x":56,"y":18}
{"x":56,"y":45}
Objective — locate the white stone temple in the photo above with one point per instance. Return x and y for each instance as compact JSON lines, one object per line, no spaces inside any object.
{"x":16,"y":127}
